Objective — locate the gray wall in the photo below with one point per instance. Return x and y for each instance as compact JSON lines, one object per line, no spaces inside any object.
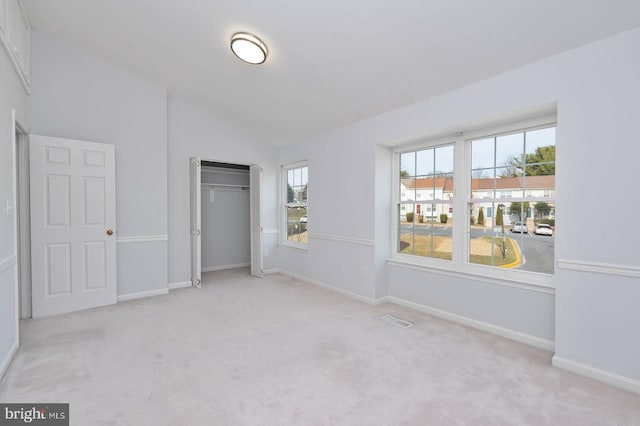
{"x":226,"y":237}
{"x":592,"y":315}
{"x":77,"y":95}
{"x":226,"y":231}
{"x":12,"y":96}
{"x":194,"y":132}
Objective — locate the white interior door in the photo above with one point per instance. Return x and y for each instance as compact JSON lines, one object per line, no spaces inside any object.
{"x":256,"y":222}
{"x":196,"y":222}
{"x":73,"y":220}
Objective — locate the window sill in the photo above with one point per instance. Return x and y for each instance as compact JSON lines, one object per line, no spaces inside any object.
{"x":525,"y":282}
{"x":299,"y":247}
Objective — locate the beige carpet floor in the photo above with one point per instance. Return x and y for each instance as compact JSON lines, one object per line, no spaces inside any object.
{"x":275,"y":351}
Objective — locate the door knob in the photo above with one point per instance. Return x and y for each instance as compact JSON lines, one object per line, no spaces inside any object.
{"x":109,"y":231}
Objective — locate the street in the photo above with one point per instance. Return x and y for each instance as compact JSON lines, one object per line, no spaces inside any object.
{"x":536,"y":250}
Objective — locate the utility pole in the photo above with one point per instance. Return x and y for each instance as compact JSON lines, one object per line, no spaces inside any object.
{"x":504,"y":237}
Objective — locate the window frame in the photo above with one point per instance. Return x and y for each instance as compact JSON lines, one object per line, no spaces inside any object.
{"x":397,"y":201}
{"x":284,"y":204}
{"x":459,"y":264}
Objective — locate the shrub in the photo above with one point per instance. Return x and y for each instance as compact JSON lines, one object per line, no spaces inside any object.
{"x":481,"y":216}
{"x":443,"y":218}
{"x":421,"y":218}
{"x":550,"y":222}
{"x":410,"y":217}
{"x":472,"y":220}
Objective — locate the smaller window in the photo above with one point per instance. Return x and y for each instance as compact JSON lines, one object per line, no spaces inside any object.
{"x":295,"y":202}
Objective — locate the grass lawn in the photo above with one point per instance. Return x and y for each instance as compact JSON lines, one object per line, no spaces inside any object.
{"x":295,"y":213}
{"x":299,"y":238}
{"x":426,"y":245}
{"x":440,"y":248}
{"x":482,"y":257}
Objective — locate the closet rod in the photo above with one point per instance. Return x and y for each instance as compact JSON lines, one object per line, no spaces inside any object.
{"x":227,"y":185}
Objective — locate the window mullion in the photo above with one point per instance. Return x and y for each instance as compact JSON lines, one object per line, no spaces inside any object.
{"x":460,"y":185}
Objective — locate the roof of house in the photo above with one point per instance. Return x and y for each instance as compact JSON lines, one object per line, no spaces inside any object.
{"x":479,"y":184}
{"x":425,"y":183}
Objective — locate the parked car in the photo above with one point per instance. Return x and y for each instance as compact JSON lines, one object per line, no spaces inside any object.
{"x":304,"y":219}
{"x":520,"y":227}
{"x":543,"y":229}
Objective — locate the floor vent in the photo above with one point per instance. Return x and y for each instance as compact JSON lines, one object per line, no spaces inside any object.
{"x":397,"y":321}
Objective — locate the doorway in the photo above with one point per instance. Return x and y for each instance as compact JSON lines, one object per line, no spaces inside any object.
{"x":22,"y":219}
{"x":225,"y":217}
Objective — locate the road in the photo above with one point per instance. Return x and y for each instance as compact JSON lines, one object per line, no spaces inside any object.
{"x":537,"y":249}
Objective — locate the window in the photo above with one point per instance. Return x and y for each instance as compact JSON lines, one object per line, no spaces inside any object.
{"x":501,"y":184}
{"x":521,"y":164}
{"x":295,"y":199}
{"x":424,"y":229}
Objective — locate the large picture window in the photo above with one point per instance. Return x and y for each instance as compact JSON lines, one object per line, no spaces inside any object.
{"x":500,"y":184}
{"x":295,"y":199}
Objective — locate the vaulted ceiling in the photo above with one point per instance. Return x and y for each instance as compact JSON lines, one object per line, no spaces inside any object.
{"x":331,"y":62}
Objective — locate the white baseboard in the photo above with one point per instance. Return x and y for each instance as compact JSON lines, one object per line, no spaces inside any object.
{"x":597,"y":374}
{"x":271,"y":271}
{"x":142,"y":294}
{"x":479,"y":325}
{"x":358,"y":297}
{"x":180,"y":284}
{"x":7,"y":359}
{"x":224,"y":267}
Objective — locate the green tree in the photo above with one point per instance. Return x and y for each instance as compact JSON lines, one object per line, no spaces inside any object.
{"x":290,"y":196}
{"x":404,"y":174}
{"x":481,"y":216}
{"x":542,"y":162}
{"x":499,"y":217}
{"x":543,"y":209}
{"x":304,"y":193}
{"x":518,"y":208}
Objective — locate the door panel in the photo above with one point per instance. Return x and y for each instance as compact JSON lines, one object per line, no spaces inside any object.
{"x":256,"y":222}
{"x":93,"y":201}
{"x":95,"y":267}
{"x":73,"y":261}
{"x":58,"y":269}
{"x":58,"y":199}
{"x":196,"y":222}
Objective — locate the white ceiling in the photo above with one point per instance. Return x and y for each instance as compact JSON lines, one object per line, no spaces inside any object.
{"x":331,"y":62}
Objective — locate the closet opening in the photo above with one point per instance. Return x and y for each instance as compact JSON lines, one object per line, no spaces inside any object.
{"x":225,"y":217}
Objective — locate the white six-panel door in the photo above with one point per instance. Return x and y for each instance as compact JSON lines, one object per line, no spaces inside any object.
{"x":73,"y":224}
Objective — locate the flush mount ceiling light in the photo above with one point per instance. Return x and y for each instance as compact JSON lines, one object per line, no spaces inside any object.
{"x":249,"y":48}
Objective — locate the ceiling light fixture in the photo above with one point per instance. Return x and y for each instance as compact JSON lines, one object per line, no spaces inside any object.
{"x":249,"y":48}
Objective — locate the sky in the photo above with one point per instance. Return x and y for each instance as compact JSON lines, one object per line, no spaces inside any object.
{"x":485,"y":153}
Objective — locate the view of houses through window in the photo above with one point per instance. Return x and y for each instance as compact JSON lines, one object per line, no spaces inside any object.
{"x":426,"y":210}
{"x":510,"y":222}
{"x":511,"y":205}
{"x":296,"y":203}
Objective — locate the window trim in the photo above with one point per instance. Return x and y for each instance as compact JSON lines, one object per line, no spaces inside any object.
{"x":283,"y":205}
{"x":461,"y":181}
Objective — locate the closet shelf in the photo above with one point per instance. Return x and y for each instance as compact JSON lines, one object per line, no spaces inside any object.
{"x":225,"y":185}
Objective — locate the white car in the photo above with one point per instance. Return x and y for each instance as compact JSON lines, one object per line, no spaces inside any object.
{"x":304,"y":219}
{"x":543,"y":229}
{"x":520,"y":227}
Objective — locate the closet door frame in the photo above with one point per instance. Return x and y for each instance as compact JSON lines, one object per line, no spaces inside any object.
{"x":255,"y":177}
